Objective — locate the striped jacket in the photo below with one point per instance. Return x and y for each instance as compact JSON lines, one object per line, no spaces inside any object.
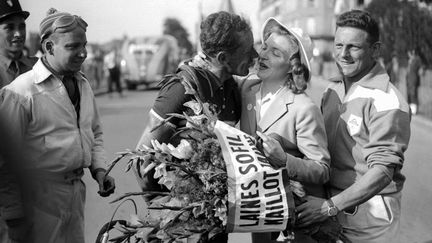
{"x":367,"y":126}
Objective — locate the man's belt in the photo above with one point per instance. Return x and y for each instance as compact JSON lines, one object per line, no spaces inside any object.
{"x":67,"y":177}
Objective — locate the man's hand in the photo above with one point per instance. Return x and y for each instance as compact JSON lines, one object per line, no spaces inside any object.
{"x":312,"y":211}
{"x":273,"y":150}
{"x":106,"y":183}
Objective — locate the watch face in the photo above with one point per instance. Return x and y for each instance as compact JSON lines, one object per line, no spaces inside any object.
{"x":332,"y":211}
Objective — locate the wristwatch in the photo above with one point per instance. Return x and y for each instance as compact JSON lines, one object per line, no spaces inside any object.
{"x":332,"y":210}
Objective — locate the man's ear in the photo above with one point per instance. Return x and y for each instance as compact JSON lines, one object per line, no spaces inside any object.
{"x":222,"y":58}
{"x":49,"y":45}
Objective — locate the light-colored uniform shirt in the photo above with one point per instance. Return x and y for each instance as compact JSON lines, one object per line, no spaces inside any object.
{"x":40,"y":112}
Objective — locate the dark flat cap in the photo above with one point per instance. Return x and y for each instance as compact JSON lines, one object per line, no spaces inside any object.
{"x":11,"y":7}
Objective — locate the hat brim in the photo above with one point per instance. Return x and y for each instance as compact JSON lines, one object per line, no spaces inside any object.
{"x":272,"y":22}
{"x":25,"y":14}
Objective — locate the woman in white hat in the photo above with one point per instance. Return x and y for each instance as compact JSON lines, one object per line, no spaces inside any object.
{"x":276,"y":109}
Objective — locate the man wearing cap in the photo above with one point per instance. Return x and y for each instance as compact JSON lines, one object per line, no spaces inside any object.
{"x":52,"y":111}
{"x":12,"y":40}
{"x":368,"y":126}
{"x":12,"y":60}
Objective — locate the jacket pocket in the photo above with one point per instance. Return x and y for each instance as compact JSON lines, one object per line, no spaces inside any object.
{"x":374,"y":212}
{"x":380,"y":209}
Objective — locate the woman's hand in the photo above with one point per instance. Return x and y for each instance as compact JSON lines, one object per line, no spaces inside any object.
{"x":273,"y":150}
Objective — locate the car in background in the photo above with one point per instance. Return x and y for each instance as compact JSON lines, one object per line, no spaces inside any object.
{"x":146,"y":60}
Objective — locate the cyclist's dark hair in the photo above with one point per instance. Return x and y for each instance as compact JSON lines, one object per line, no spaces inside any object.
{"x":219,"y":32}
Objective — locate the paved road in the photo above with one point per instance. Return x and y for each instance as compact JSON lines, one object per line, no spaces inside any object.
{"x":124,"y":118}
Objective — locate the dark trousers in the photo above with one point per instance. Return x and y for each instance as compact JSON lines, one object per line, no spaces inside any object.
{"x":114,"y":79}
{"x":412,"y":91}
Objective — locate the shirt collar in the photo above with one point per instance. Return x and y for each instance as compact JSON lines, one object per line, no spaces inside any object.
{"x":41,"y":71}
{"x":376,"y":78}
{"x":23,"y":59}
{"x":215,"y":81}
{"x":5,"y":61}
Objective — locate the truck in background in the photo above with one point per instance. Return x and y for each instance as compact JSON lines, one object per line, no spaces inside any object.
{"x":145,"y":60}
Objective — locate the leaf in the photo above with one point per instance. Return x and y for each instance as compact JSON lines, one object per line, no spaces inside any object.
{"x":183,"y":150}
{"x":188,"y":87}
{"x":138,"y":167}
{"x":168,"y":179}
{"x":135,"y":221}
{"x":214,"y":231}
{"x":129,"y":164}
{"x":196,"y":120}
{"x":161,"y":124}
{"x":194,"y":106}
{"x":144,"y":233}
{"x":221,"y":212}
{"x":199,"y":210}
{"x":160,"y":171}
{"x":173,"y":218}
{"x":162,"y":147}
{"x":194,"y":238}
{"x":161,"y":234}
{"x":139,"y":193}
{"x":160,"y":200}
{"x":121,"y":228}
{"x":297,"y":188}
{"x":119,"y":239}
{"x":148,"y":168}
{"x":114,"y":162}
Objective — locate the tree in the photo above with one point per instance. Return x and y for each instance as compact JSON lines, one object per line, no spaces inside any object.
{"x":404,"y":26}
{"x":426,"y":1}
{"x":173,"y":27}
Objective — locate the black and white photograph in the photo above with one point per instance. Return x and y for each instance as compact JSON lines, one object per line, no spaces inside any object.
{"x":215,"y":121}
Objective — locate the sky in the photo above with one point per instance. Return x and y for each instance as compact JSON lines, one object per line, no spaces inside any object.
{"x":110,"y":19}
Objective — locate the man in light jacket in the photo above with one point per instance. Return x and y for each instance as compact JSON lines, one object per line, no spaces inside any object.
{"x":51,"y":113}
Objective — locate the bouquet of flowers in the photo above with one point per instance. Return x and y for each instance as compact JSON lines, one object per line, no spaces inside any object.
{"x":195,"y":174}
{"x":218,"y":182}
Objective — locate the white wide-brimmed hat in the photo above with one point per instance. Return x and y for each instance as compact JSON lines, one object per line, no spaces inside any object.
{"x":304,"y":41}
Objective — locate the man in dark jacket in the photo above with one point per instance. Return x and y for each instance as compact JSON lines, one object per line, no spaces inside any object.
{"x":227,"y":41}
